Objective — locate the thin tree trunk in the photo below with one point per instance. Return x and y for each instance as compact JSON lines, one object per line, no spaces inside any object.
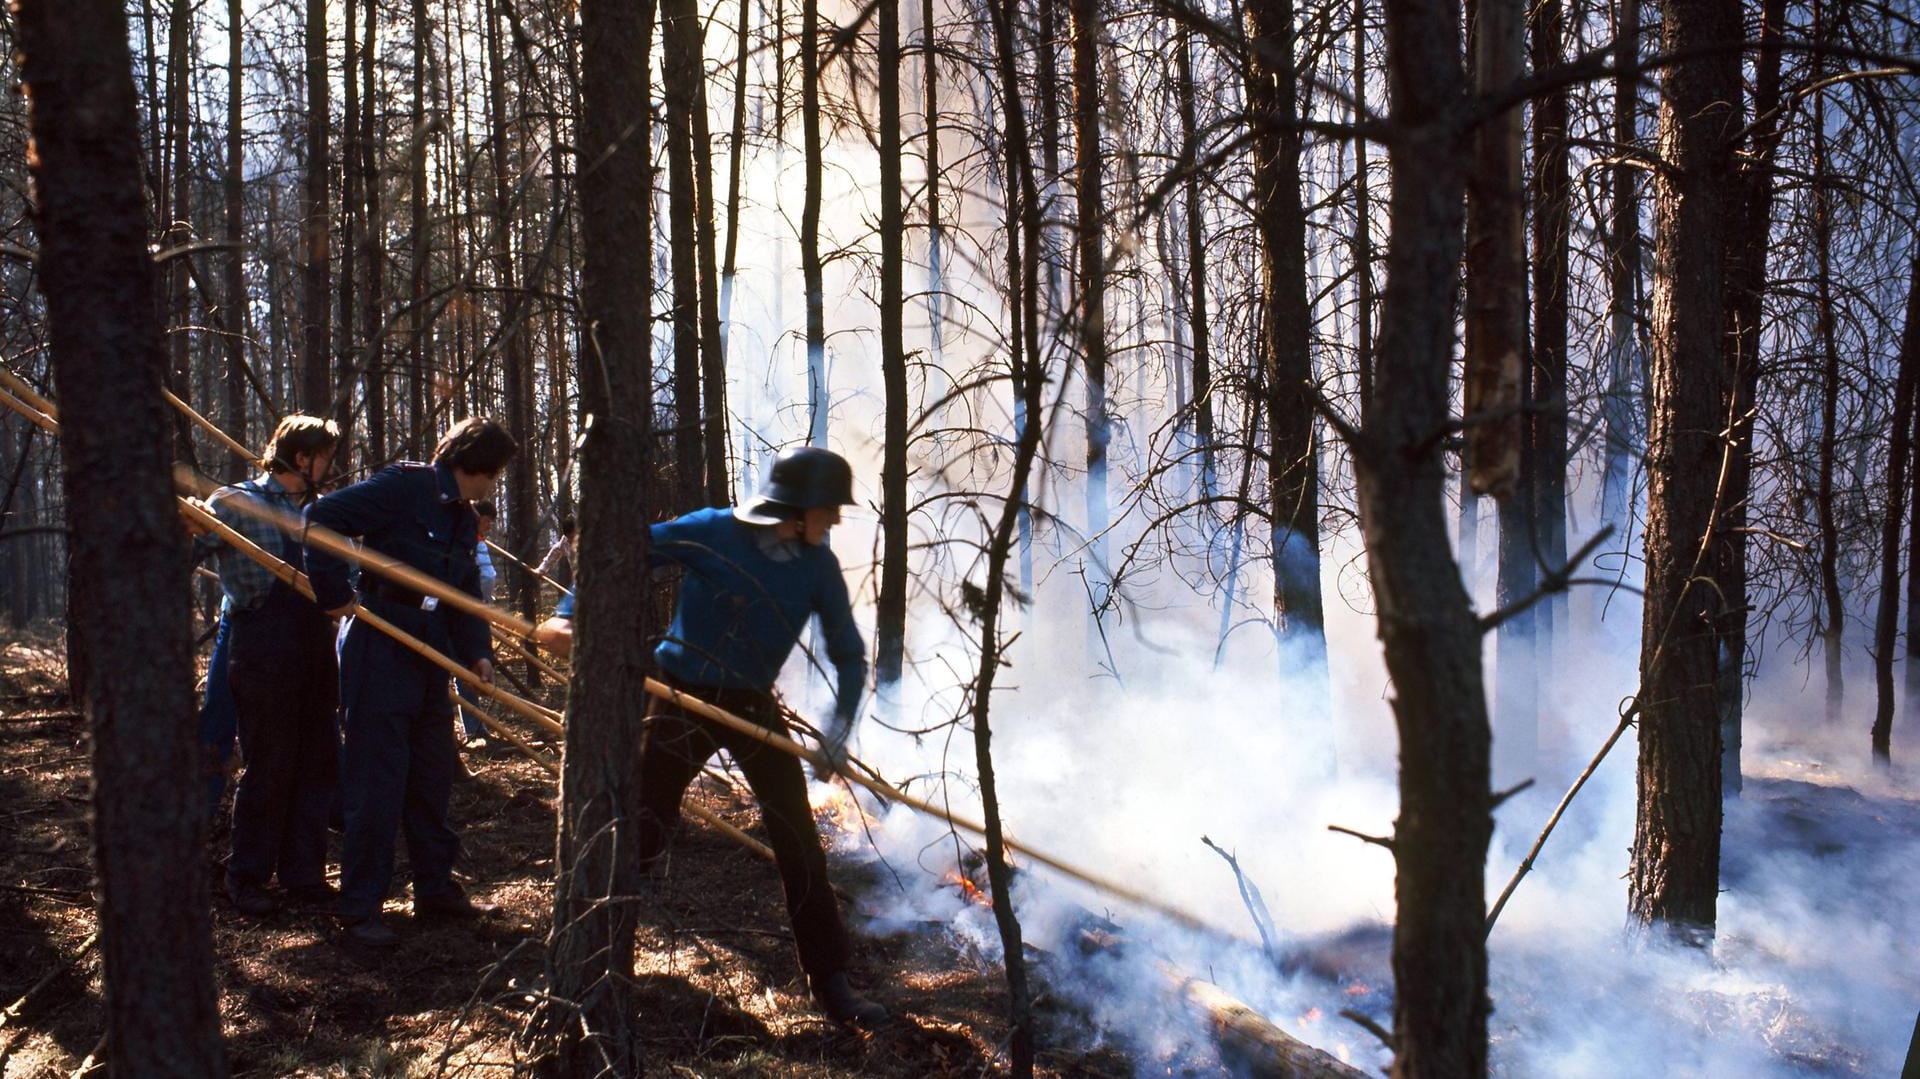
{"x":1620,"y":407}
{"x":1427,"y":626}
{"x":515,"y":351}
{"x":1496,"y":314}
{"x":1090,"y":211}
{"x":930,"y":86}
{"x":1285,"y":348}
{"x":1674,"y":879}
{"x":810,"y":269}
{"x":890,"y":619}
{"x":316,"y":388}
{"x":713,"y":347}
{"x":1746,"y":287}
{"x":1362,"y":219}
{"x":679,"y":25}
{"x":1833,"y":605}
{"x":125,"y":539}
{"x":419,"y":358}
{"x":235,"y":316}
{"x":178,"y":230}
{"x":1023,"y":263}
{"x":352,"y":224}
{"x":373,"y":255}
{"x":590,"y":948}
{"x":1899,"y":449}
{"x":1196,"y":268}
{"x":1912,"y":710}
{"x":735,"y":159}
{"x":1552,"y":200}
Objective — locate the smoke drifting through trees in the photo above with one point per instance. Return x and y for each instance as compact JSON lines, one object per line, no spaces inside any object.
{"x":1189,"y":321}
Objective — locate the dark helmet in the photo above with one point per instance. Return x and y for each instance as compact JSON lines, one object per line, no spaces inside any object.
{"x":802,"y":478}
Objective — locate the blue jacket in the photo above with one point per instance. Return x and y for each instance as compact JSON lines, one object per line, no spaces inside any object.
{"x":413,"y":513}
{"x":741,"y":611}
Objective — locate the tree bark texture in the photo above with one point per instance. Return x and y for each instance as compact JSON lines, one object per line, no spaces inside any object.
{"x":1621,"y":408}
{"x":510,"y":337}
{"x":125,"y":540}
{"x":1197,"y":314}
{"x":1427,"y":627}
{"x":1090,"y":213}
{"x":810,"y":269}
{"x":1547,"y":422}
{"x":1833,"y":608}
{"x":590,"y":949}
{"x":679,"y":26}
{"x":1675,"y":876}
{"x":233,"y":190}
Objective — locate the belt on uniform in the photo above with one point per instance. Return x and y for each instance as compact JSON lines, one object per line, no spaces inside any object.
{"x":393,"y":593}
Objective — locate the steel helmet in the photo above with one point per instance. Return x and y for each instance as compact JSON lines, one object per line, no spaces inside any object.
{"x":802,"y":478}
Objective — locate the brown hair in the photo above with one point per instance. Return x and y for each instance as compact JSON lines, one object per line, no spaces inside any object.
{"x":295,"y":435}
{"x":476,"y":444}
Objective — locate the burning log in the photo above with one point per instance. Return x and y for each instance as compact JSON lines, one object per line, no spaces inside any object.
{"x":1249,"y":1041}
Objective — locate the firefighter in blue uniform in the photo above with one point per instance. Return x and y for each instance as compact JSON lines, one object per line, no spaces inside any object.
{"x":400,"y":761}
{"x":755,"y":576}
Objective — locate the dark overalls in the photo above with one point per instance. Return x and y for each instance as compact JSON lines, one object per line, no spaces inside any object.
{"x":280,"y":668}
{"x":400,"y":760}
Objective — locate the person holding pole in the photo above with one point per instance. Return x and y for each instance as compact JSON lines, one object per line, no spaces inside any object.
{"x":281,"y":673}
{"x":755,"y":576}
{"x":400,"y":760}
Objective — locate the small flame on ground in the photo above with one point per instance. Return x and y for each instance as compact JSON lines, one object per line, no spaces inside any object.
{"x":1312,"y":1016}
{"x":972,"y":892}
{"x":1359,"y":989}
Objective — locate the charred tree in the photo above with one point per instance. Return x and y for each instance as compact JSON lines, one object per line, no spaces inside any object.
{"x":590,"y":948}
{"x":1899,"y":450}
{"x":890,"y":618}
{"x":129,"y":599}
{"x":373,"y":253}
{"x":1675,"y":875}
{"x":1286,"y":360}
{"x":1740,"y":345}
{"x":1427,"y":627}
{"x":930,"y":102}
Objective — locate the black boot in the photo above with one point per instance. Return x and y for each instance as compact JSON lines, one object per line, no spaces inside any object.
{"x":843,"y":1005}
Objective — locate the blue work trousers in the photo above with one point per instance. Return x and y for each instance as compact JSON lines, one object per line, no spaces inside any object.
{"x":399,"y":764}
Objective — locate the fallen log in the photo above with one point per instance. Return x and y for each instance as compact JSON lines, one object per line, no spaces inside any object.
{"x":1249,"y":1042}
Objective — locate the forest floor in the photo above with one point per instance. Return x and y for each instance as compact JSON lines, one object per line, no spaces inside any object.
{"x":720,"y":992}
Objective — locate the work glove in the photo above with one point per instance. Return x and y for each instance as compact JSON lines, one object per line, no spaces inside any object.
{"x":832,"y":760}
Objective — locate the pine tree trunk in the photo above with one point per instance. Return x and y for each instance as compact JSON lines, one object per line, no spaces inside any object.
{"x":129,"y":603}
{"x":810,"y":269}
{"x":1833,"y":605}
{"x":419,"y":353}
{"x":1196,"y":230}
{"x":1621,"y":405}
{"x":316,"y":277}
{"x":1090,"y":235}
{"x":590,"y":948}
{"x":1899,"y":483}
{"x":1746,"y":287}
{"x":352,"y":225}
{"x":1552,"y":200}
{"x":680,"y":69}
{"x":1674,"y":879}
{"x":1427,"y":627}
{"x":890,"y":618}
{"x":234,"y":189}
{"x":515,"y":349}
{"x":1286,"y":356}
{"x":373,"y":364}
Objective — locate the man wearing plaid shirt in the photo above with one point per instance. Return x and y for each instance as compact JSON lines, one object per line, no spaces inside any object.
{"x":284,"y":678}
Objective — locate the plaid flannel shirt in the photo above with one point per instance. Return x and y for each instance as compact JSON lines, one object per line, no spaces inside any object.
{"x":245,"y":581}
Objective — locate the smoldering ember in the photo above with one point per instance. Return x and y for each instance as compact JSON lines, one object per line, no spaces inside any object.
{"x":1170,"y":538}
